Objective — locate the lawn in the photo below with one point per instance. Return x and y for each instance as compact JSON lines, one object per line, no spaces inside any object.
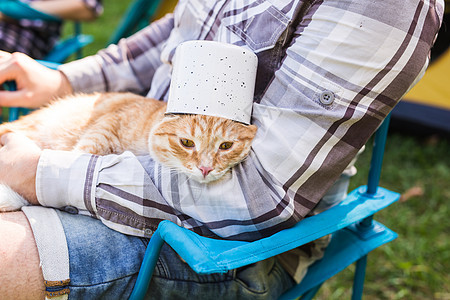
{"x":417,"y":264}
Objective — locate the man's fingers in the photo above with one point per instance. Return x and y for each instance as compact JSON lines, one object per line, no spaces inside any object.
{"x":4,"y":55}
{"x":11,"y":138}
{"x":12,"y":98}
{"x":17,"y":139}
{"x":12,"y":66}
{"x":4,"y":139}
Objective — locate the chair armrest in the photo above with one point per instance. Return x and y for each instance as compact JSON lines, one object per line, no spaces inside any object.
{"x":68,"y":47}
{"x":206,"y":255}
{"x":20,"y":10}
{"x":346,"y":247}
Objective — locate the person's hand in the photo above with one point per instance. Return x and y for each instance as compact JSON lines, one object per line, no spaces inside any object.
{"x":19,"y":157}
{"x":36,"y":84}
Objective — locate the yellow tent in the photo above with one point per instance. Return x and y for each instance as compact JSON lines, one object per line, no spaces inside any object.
{"x":428,"y":103}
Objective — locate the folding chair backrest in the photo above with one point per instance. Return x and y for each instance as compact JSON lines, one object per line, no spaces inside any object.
{"x":138,"y":15}
{"x":70,"y":45}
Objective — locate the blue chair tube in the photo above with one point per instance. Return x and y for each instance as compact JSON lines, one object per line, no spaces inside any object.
{"x":147,"y":267}
{"x":358,"y":281}
{"x":376,"y":164}
{"x":377,"y":157}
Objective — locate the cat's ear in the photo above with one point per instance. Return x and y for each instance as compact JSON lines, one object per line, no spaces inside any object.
{"x":248,"y":131}
{"x":168,"y":124}
{"x":171,"y":116}
{"x":252,"y":128}
{"x":170,"y":119}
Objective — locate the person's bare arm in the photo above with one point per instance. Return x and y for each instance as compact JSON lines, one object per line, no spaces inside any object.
{"x":68,"y":10}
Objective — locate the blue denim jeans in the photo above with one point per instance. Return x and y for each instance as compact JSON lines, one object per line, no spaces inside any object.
{"x":104,"y":265}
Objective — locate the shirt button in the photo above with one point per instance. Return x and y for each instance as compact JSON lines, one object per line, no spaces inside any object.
{"x":71,"y":210}
{"x":148,"y":231}
{"x":326,"y":97}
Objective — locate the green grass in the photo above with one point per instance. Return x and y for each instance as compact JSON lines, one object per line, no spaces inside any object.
{"x":103,"y":27}
{"x":417,"y":264}
{"x":414,"y":266}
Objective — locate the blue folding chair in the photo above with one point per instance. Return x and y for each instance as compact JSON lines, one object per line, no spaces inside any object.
{"x":354,"y":235}
{"x":60,"y":53}
{"x":138,"y":15}
{"x":66,"y":47}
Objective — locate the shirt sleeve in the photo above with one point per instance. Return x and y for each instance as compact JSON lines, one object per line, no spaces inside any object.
{"x":325,"y":101}
{"x":127,"y":66}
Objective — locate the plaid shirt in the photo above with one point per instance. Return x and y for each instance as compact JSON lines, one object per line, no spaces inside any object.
{"x":34,"y":37}
{"x":329,"y":73}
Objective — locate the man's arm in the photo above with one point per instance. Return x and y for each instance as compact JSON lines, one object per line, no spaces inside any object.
{"x":37,"y":85}
{"x":127,"y":66}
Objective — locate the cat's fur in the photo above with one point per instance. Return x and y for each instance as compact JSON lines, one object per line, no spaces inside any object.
{"x":107,"y":123}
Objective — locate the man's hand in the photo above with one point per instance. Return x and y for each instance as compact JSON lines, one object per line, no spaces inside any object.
{"x":19,"y":157}
{"x":36,"y":84}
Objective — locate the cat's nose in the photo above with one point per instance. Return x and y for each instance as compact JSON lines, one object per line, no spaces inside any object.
{"x":205,"y":170}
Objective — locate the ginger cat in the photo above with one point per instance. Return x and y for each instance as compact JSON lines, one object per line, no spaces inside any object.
{"x":202,"y":147}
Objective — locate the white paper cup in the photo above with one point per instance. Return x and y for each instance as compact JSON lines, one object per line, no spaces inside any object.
{"x":213,"y":78}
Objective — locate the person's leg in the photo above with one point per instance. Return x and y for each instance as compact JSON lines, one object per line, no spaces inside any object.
{"x":104,"y":265}
{"x":174,"y":279}
{"x":20,"y":274}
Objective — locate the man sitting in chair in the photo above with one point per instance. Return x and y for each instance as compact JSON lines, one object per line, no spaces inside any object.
{"x":329,"y":72}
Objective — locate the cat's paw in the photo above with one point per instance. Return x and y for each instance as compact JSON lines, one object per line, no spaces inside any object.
{"x":10,"y":200}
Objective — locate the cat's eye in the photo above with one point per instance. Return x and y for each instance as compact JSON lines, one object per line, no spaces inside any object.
{"x":187,"y":143}
{"x":225,"y":145}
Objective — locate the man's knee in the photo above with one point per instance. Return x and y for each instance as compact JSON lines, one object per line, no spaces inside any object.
{"x":20,"y":274}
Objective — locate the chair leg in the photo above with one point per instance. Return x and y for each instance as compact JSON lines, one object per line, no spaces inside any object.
{"x":147,"y":267}
{"x":311,"y":293}
{"x":358,"y":281}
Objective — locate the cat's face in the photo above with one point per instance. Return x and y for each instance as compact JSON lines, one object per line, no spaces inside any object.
{"x":203,"y":147}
